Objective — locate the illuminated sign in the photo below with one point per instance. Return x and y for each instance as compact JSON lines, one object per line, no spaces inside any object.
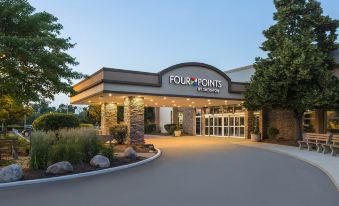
{"x":201,"y":84}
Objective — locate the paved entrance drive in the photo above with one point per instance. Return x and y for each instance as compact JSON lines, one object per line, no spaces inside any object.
{"x":197,"y":171}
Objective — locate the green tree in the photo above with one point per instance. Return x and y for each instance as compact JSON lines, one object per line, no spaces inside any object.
{"x":297,"y":73}
{"x":66,"y":108}
{"x":12,"y":111}
{"x":34,"y":63}
{"x":94,"y":113}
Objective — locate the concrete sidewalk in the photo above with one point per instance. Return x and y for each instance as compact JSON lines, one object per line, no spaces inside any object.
{"x":327,"y":163}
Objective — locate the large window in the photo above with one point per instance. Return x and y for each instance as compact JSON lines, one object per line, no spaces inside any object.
{"x":332,"y":121}
{"x":309,"y":121}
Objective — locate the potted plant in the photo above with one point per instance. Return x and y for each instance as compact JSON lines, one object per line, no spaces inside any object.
{"x":255,"y":135}
{"x":177,"y":131}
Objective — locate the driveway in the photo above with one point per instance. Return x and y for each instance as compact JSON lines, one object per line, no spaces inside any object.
{"x":197,"y":171}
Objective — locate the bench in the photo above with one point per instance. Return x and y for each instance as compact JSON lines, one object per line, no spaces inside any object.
{"x":332,"y":146}
{"x":9,"y":146}
{"x":314,"y":141}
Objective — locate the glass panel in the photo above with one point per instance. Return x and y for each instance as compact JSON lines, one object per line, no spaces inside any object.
{"x":242,"y":121}
{"x":197,"y":126}
{"x":238,"y":108}
{"x":236,"y":121}
{"x":237,"y":129}
{"x":225,"y":121}
{"x":216,"y":110}
{"x":219,"y":121}
{"x":198,"y":112}
{"x":206,"y":130}
{"x":231,"y":119}
{"x":231,"y":131}
{"x":332,"y":121}
{"x":216,"y":131}
{"x":211,"y":131}
{"x":225,"y":131}
{"x":242,"y":131}
{"x":219,"y":131}
{"x":211,"y":121}
{"x":309,"y":121}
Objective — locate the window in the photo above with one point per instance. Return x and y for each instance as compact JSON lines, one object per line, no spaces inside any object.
{"x":309,"y":121}
{"x":332,"y":121}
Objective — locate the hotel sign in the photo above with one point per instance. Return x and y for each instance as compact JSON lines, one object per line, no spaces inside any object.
{"x":200,"y":84}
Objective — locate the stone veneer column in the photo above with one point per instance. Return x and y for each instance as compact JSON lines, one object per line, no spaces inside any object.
{"x":134,"y":118}
{"x":108,"y":117}
{"x":249,"y":123}
{"x":188,"y":120}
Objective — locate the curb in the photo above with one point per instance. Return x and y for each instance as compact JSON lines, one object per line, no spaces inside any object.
{"x":79,"y":175}
{"x":335,"y":183}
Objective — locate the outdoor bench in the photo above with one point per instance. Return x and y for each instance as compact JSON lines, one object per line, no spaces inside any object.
{"x":314,"y":141}
{"x":332,"y":146}
{"x":9,"y":146}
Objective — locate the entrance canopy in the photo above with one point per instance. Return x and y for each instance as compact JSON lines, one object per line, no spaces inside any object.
{"x":182,"y":85}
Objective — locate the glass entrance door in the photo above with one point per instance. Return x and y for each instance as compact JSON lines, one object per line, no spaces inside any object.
{"x":198,"y":126}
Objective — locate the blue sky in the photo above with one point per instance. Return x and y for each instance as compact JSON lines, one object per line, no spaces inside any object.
{"x":150,"y":35}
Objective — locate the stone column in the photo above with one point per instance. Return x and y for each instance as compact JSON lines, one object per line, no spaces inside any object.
{"x":108,"y":117}
{"x":188,"y":120}
{"x":249,"y":123}
{"x":134,"y":119}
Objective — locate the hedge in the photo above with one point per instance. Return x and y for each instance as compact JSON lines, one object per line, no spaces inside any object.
{"x":55,"y":121}
{"x":119,"y":132}
{"x":150,"y":128}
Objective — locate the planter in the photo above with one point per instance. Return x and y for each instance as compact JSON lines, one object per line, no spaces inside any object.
{"x":255,"y":137}
{"x":177,"y":133}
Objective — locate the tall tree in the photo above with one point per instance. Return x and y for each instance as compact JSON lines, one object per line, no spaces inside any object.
{"x":297,"y":73}
{"x":33,"y":59}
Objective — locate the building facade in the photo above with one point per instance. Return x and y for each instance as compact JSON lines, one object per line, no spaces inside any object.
{"x":200,"y":98}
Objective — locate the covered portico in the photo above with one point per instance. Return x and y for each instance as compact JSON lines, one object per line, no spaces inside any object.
{"x":183,"y":86}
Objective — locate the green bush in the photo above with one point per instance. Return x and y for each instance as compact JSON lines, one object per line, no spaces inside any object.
{"x":119,"y":132}
{"x":170,"y":128}
{"x":86,"y":125}
{"x":256,"y":130}
{"x":272,"y":132}
{"x":23,"y":146}
{"x":108,"y":151}
{"x":14,"y":126}
{"x":55,"y":121}
{"x":150,"y":128}
{"x":75,"y":145}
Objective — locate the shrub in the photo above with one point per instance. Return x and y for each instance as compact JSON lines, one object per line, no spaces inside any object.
{"x":23,"y":146}
{"x":150,"y":128}
{"x":170,"y":128}
{"x":55,"y":121}
{"x":108,"y":151}
{"x":119,"y":132}
{"x":256,"y":130}
{"x":74,"y":145}
{"x":272,"y":132}
{"x":86,"y":125}
{"x":40,"y":146}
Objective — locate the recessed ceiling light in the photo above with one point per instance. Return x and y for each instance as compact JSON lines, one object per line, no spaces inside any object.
{"x":151,"y":100}
{"x":163,"y":106}
{"x":205,"y":105}
{"x":209,"y":100}
{"x":188,"y":99}
{"x":89,"y":101}
{"x":156,"y":103}
{"x":99,"y":102}
{"x":110,"y":94}
{"x":165,"y":97}
{"x":193,"y":102}
{"x":190,"y":105}
{"x":174,"y":105}
{"x":173,"y":101}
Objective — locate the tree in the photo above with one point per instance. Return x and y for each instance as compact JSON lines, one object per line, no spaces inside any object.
{"x":63,"y":108}
{"x":94,"y":113}
{"x":33,"y":59}
{"x":297,"y":73}
{"x":12,"y":111}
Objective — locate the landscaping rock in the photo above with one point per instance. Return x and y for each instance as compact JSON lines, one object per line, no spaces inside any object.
{"x":100,"y":161}
{"x":130,"y":153}
{"x":59,"y":168}
{"x":11,"y":173}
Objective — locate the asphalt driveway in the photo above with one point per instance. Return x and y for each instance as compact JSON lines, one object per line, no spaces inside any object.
{"x":195,"y":171}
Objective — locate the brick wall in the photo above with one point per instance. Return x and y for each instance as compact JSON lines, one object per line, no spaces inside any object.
{"x":283,"y":120}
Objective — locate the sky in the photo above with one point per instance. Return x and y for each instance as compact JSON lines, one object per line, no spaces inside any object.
{"x":151,"y":35}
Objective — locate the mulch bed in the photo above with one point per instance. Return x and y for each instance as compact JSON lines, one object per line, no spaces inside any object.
{"x":80,"y":168}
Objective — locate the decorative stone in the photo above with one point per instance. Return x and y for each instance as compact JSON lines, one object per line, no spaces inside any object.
{"x":108,"y":117}
{"x":59,"y":168}
{"x":100,"y":161}
{"x":11,"y":173}
{"x":134,"y":119}
{"x":130,"y":153}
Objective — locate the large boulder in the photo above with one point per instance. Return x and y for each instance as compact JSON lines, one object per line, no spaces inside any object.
{"x":100,"y":161}
{"x":130,"y":153}
{"x":11,"y":173}
{"x":59,"y":168}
